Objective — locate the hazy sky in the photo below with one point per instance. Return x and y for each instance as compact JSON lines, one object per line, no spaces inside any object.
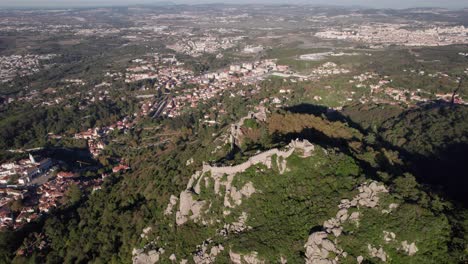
{"x":369,"y":3}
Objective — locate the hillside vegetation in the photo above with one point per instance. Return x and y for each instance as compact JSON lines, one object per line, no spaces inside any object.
{"x":282,"y":207}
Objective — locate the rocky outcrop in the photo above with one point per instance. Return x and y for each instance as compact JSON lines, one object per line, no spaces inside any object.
{"x":319,"y":247}
{"x":150,"y":257}
{"x":354,"y":217}
{"x":409,"y":249}
{"x":172,"y":202}
{"x":235,"y":257}
{"x":236,"y":227}
{"x":248,"y":190}
{"x":188,"y":208}
{"x":235,"y":196}
{"x":251,"y":258}
{"x":368,"y":194}
{"x":145,"y":233}
{"x":367,"y":197}
{"x":189,"y":162}
{"x":391,"y":207}
{"x":377,"y":253}
{"x":389,"y":236}
{"x":205,"y":256}
{"x":173,"y":258}
{"x":283,"y":260}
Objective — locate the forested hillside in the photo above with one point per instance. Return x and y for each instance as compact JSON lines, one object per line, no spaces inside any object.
{"x":282,"y":207}
{"x":431,"y":139}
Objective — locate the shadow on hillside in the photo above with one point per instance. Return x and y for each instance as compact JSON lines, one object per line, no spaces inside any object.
{"x":307,"y":109}
{"x":445,"y":172}
{"x":319,"y":138}
{"x":320,"y":110}
{"x":73,"y":157}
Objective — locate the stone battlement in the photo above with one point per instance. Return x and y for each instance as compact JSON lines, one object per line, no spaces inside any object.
{"x":189,"y":206}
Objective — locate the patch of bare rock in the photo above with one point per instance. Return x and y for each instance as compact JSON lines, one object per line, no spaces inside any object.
{"x":150,"y":257}
{"x":319,"y":247}
{"x":251,"y":258}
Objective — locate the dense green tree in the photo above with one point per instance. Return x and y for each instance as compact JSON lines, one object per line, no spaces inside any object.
{"x":73,"y":194}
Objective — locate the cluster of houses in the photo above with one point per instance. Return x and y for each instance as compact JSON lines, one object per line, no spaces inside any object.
{"x":39,"y":201}
{"x":324,"y":70}
{"x":21,"y":65}
{"x":166,"y":71}
{"x":25,"y":200}
{"x":215,"y":84}
{"x":447,"y":97}
{"x":253,"y":49}
{"x":51,"y":96}
{"x":400,"y":34}
{"x":7,"y":196}
{"x":52,"y":192}
{"x":41,"y":197}
{"x":15,"y":177}
{"x":327,"y":69}
{"x":96,"y":137}
{"x":120,"y":168}
{"x":195,"y":47}
{"x":380,"y":85}
{"x":93,"y":137}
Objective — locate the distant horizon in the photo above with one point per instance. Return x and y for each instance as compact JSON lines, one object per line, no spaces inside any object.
{"x":378,"y":4}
